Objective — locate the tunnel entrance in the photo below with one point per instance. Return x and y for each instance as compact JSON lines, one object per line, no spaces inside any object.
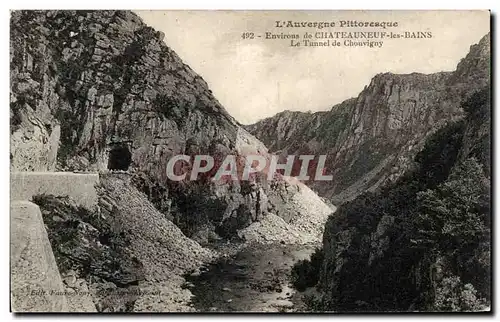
{"x":119,"y":158}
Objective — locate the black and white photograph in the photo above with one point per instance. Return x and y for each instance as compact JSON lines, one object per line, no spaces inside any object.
{"x":236,"y":161}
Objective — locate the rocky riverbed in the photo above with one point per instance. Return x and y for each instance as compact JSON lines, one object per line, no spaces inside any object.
{"x":255,"y":278}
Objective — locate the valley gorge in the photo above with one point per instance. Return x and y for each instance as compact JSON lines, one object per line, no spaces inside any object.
{"x":99,"y":92}
{"x":403,"y":154}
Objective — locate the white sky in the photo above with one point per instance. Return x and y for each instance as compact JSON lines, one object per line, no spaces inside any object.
{"x":254,"y":79}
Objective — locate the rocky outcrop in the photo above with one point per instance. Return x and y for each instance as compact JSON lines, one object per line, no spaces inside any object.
{"x":120,"y":99}
{"x":372,"y":139}
{"x":421,"y":243}
{"x":299,"y":220}
{"x":33,"y":146}
{"x":110,"y":82}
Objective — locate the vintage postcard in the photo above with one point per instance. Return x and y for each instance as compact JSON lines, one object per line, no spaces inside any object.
{"x":250,"y":161}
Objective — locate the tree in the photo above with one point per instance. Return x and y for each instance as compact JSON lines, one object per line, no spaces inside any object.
{"x":457,"y":211}
{"x":453,"y":295}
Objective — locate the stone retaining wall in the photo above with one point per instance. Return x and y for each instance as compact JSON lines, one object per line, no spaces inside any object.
{"x":36,"y":284}
{"x":78,"y":186}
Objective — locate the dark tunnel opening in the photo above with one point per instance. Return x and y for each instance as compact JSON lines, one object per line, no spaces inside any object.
{"x":119,"y":158}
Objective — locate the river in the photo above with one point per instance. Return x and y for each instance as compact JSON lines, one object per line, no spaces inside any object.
{"x":255,"y":279}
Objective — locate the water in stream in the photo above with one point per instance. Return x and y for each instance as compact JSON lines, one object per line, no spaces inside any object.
{"x":255,"y":279}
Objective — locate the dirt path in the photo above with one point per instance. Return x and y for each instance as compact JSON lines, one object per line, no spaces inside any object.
{"x":255,"y":279}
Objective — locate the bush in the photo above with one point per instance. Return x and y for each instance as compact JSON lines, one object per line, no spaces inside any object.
{"x":305,"y":273}
{"x":454,"y":296}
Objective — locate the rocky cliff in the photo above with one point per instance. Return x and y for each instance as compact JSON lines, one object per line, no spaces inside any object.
{"x":421,"y":243}
{"x":101,"y":81}
{"x":418,"y":238}
{"x":96,"y":91}
{"x":372,"y":139}
{"x":100,"y":90}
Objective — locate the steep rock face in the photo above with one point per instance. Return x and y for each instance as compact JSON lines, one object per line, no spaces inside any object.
{"x":477,"y":133}
{"x":474,"y":69}
{"x":371,"y":139}
{"x":102,"y":76}
{"x":101,"y":90}
{"x":422,"y":242}
{"x":33,"y":146}
{"x":285,"y":128}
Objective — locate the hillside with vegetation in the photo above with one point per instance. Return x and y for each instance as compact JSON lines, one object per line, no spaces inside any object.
{"x":421,"y":243}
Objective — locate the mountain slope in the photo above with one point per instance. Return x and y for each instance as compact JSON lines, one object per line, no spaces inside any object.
{"x":372,"y":138}
{"x":100,"y":90}
{"x":423,"y":242}
{"x":100,"y":75}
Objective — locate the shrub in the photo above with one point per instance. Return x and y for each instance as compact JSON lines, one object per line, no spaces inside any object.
{"x":305,"y":273}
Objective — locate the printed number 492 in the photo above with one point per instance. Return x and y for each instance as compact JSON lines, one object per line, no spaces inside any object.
{"x":247,"y":35}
